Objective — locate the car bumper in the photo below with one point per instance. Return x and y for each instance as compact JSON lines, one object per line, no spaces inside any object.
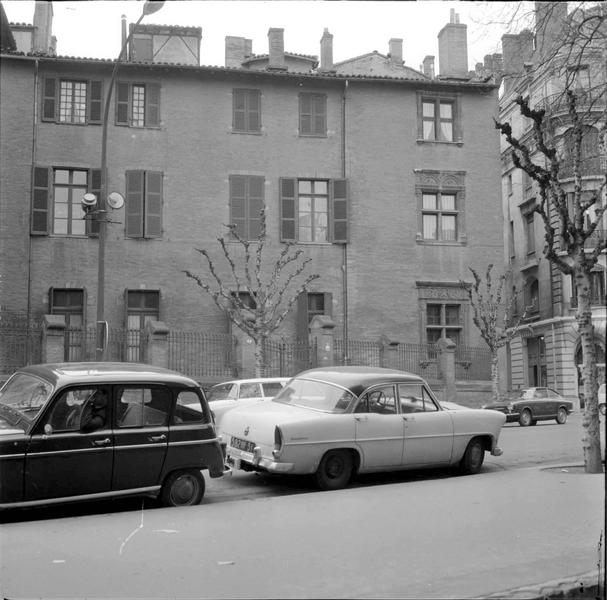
{"x":236,"y":457}
{"x":497,"y":451}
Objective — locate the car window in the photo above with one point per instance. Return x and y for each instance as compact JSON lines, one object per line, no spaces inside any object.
{"x":271,"y":388}
{"x":551,"y":393}
{"x":540,"y":393}
{"x":223,"y":391}
{"x":411,"y":397}
{"x":317,"y":395}
{"x":80,"y":409}
{"x":381,"y":401}
{"x":26,"y":393}
{"x":429,"y":404}
{"x":250,"y":390}
{"x":188,"y":408}
{"x":143,"y":406}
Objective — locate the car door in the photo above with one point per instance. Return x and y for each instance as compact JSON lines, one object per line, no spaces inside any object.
{"x":140,"y":434}
{"x":63,"y":460}
{"x":541,"y":404}
{"x":553,"y":401}
{"x":379,"y":428}
{"x":428,"y":430}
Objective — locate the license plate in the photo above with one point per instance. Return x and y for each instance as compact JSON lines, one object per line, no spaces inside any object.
{"x":244,"y":445}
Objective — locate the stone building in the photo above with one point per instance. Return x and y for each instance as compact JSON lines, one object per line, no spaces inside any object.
{"x":387,"y":177}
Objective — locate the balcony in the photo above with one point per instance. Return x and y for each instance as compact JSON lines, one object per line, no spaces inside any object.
{"x":557,"y":103}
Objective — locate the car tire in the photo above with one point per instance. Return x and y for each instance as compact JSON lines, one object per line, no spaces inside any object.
{"x":183,"y":488}
{"x":561,"y":416}
{"x":334,"y":470}
{"x":472,"y":461}
{"x":525,"y":418}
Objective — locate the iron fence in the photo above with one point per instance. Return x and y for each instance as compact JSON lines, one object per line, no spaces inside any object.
{"x":202,"y":355}
{"x":284,"y":358}
{"x":472,"y":363}
{"x":20,"y":342}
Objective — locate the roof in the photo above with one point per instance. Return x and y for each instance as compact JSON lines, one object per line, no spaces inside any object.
{"x":108,"y":372}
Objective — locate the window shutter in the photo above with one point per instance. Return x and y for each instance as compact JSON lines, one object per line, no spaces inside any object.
{"x":153,"y":205}
{"x":254,"y":111}
{"x":302,"y":317}
{"x":122,"y":103}
{"x":320,"y":114}
{"x":40,"y":201}
{"x":134,"y":204}
{"x":152,"y":105}
{"x":238,"y":203}
{"x":49,"y":100}
{"x":92,"y":223}
{"x":287,"y":209}
{"x":305,"y":114}
{"x":95,"y":101}
{"x":238,"y":110}
{"x":256,"y":204}
{"x":339,"y":213}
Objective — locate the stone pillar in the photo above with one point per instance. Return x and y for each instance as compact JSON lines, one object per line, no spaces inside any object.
{"x":446,"y":363}
{"x":53,"y":339}
{"x":388,"y":351}
{"x":322,"y":332}
{"x":156,"y":346}
{"x":245,"y":354}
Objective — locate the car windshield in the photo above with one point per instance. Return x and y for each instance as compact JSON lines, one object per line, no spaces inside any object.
{"x":220,"y":392}
{"x":318,"y":395}
{"x":23,"y":396}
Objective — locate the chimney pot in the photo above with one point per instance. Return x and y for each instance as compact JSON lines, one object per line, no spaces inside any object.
{"x":453,"y":50}
{"x":396,"y":52}
{"x":276,"y":47}
{"x":428,"y":66}
{"x":326,"y":51}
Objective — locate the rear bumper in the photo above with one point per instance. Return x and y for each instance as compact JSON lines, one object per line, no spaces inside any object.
{"x":255,"y":460}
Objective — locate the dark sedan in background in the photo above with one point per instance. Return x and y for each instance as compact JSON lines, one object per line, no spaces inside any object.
{"x":528,"y":406}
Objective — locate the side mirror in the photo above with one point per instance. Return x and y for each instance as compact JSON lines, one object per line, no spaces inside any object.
{"x":48,"y":429}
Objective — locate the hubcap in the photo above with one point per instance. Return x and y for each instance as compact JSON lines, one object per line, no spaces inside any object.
{"x":184,"y":489}
{"x":335,"y":467}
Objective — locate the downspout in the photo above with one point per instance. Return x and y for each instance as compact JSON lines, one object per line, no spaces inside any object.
{"x":30,"y":237}
{"x":344,"y":266}
{"x":554,"y":358}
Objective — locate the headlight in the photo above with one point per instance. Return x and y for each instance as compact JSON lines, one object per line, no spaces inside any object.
{"x":510,"y":407}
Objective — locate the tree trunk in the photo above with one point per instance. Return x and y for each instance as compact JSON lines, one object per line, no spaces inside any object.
{"x":259,"y":362}
{"x":495,"y":377}
{"x":591,"y":441}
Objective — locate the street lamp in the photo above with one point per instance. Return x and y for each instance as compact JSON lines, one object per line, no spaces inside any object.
{"x":149,"y":7}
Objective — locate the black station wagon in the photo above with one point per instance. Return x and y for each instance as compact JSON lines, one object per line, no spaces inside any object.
{"x":84,"y":431}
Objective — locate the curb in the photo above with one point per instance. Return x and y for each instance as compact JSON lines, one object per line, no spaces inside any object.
{"x":586,"y":585}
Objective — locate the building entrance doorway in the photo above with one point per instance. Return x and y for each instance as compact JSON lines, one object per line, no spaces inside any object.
{"x":536,"y":361}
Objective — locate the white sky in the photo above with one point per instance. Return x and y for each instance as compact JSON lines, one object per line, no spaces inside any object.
{"x":92,"y":28}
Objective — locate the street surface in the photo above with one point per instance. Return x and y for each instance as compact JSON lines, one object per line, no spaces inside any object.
{"x":408,"y":535}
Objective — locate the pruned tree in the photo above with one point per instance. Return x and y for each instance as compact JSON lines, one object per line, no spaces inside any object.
{"x":493,"y":315}
{"x":255,"y":297}
{"x":572,"y":212}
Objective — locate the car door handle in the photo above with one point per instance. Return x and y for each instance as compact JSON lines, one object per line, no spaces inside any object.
{"x":157,"y":438}
{"x":360,"y":419}
{"x":408,"y":418}
{"x":104,"y":442}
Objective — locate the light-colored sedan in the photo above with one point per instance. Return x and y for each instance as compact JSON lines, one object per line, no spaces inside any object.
{"x":335,"y":422}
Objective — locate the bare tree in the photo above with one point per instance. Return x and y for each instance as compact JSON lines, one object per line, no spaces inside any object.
{"x":492,"y":312}
{"x":254,"y":298}
{"x":572,"y":213}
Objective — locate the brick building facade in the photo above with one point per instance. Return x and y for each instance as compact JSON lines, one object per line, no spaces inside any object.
{"x":386,"y":176}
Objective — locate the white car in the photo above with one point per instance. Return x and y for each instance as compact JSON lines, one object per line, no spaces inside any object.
{"x":241,"y":392}
{"x":335,"y":422}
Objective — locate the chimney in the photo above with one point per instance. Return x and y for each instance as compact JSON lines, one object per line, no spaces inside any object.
{"x":396,"y":52}
{"x":248,"y":48}
{"x":124,"y":36}
{"x":517,"y":49}
{"x":235,"y":51}
{"x":43,"y":26}
{"x":453,"y":49}
{"x":428,"y":66}
{"x":550,"y":19}
{"x":326,"y":51}
{"x":276,"y":47}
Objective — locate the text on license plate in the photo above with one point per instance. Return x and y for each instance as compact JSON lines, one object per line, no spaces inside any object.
{"x":242,"y":445}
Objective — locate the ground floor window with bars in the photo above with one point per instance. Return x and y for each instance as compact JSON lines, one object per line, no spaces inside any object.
{"x":70,"y":303}
{"x":142,"y":306}
{"x":443,"y":320}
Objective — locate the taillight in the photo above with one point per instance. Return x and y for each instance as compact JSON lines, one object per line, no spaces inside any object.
{"x":277,"y":439}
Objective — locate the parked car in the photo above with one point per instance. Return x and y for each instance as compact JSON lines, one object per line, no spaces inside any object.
{"x":240,"y":392}
{"x":528,"y":406}
{"x":82,"y":431}
{"x":335,"y":422}
{"x":602,"y":393}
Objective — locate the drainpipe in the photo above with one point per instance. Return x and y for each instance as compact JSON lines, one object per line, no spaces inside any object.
{"x":554,"y":358}
{"x":344,"y":266}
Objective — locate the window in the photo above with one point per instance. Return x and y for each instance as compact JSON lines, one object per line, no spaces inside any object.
{"x":439,"y":217}
{"x":578,"y":78}
{"x":313,"y":114}
{"x":70,"y":303}
{"x":189,"y":409}
{"x":79,"y":409}
{"x":532,"y":296}
{"x":138,"y":104}
{"x":530,"y":233}
{"x":141,"y":48}
{"x":597,"y":289}
{"x":142,"y":306}
{"x":511,"y":245}
{"x":415,"y":398}
{"x":438,"y":118}
{"x":443,"y":321}
{"x":71,"y":101}
{"x":309,"y":305}
{"x":313,"y":210}
{"x":509,"y":184}
{"x":381,"y":401}
{"x":246,"y":106}
{"x":56,"y":206}
{"x":143,"y":210}
{"x":143,"y":406}
{"x":589,"y":154}
{"x":247,"y":199}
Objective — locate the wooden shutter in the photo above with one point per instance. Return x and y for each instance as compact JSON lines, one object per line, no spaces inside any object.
{"x":122,"y":103}
{"x":256,"y":194}
{"x":339,"y":211}
{"x":239,"y":110}
{"x":254,"y":110}
{"x":152,"y":105}
{"x":320,"y":114}
{"x":238,"y":203}
{"x":49,"y":99}
{"x":134,"y":204}
{"x":302,"y":317}
{"x":40,"y":201}
{"x":288,"y":187}
{"x":92,"y":223}
{"x":153,"y":205}
{"x":305,"y":114}
{"x":95,"y":101}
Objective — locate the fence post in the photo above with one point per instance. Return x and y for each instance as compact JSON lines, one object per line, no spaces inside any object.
{"x":156,"y":344}
{"x":322,"y":332}
{"x":446,"y":360}
{"x":53,"y":339}
{"x":388,"y":352}
{"x":245,"y":354}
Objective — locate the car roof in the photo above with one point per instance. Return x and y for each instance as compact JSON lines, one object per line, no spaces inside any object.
{"x":254,"y":380}
{"x":357,"y":379}
{"x":92,"y":372}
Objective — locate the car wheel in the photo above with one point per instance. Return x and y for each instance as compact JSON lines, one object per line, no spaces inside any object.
{"x":525,"y":419}
{"x":335,"y":470}
{"x":472,"y":460}
{"x":561,"y":416}
{"x":183,"y":488}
